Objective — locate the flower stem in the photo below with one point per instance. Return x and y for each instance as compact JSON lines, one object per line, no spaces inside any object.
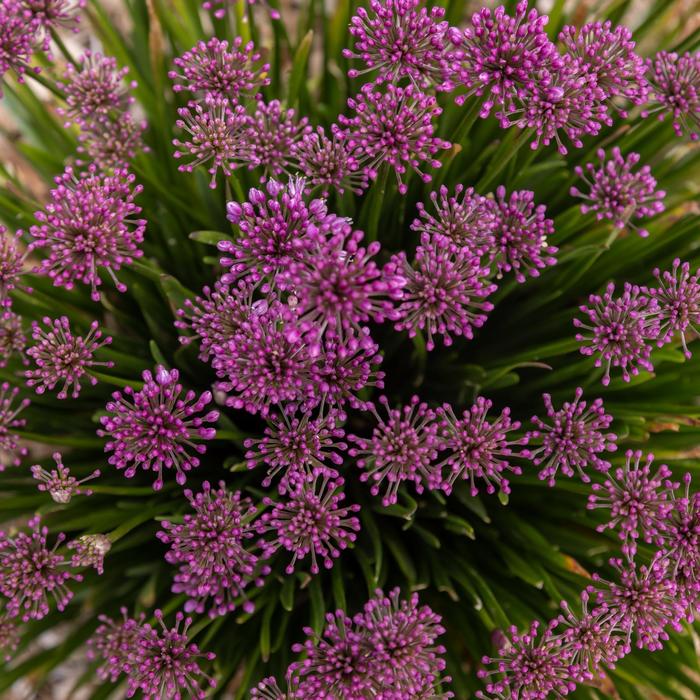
{"x":64,"y":49}
{"x":506,"y":152}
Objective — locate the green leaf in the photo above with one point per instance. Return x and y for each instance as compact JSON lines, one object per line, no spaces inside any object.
{"x":299,"y":66}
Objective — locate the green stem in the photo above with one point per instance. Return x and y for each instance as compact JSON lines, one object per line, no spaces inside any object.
{"x":64,"y":49}
{"x":130,"y":524}
{"x":46,"y":83}
{"x":376,"y":200}
{"x":505,"y":153}
{"x":468,"y":118}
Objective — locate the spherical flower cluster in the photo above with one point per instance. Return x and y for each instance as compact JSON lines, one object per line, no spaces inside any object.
{"x":62,"y":358}
{"x":619,"y":330}
{"x":521,"y":231}
{"x":636,"y":498}
{"x":51,"y":15}
{"x":445,"y":290}
{"x":17,"y":39}
{"x":327,"y":161}
{"x":154,"y":428}
{"x":296,"y":448}
{"x":60,"y":483}
{"x":674,"y":82}
{"x":466,"y":218}
{"x":574,"y":439}
{"x":388,"y":650}
{"x":393,"y":126}
{"x":12,"y":259}
{"x":617,"y":193}
{"x":478,"y":448}
{"x":12,"y":337}
{"x":398,"y":40}
{"x":88,"y":226}
{"x":403,"y":447}
{"x":677,"y":298}
{"x":213,"y":69}
{"x":31,"y":573}
{"x":609,"y":53}
{"x":90,"y":550}
{"x":216,"y":134}
{"x":112,"y":643}
{"x":11,"y":452}
{"x":215,"y":550}
{"x":311,"y":522}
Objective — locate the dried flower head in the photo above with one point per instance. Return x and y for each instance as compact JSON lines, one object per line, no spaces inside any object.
{"x":478,"y":448}
{"x":62,"y":358}
{"x":11,"y":452}
{"x":216,"y":550}
{"x":212,"y":69}
{"x":399,"y":39}
{"x":89,"y":225}
{"x":574,"y":439}
{"x":312,"y":522}
{"x":154,"y":428}
{"x":678,"y":303}
{"x":674,"y":82}
{"x":617,"y":193}
{"x":164,"y":663}
{"x":636,"y":498}
{"x":90,"y":550}
{"x":403,"y":447}
{"x":445,"y":290}
{"x":393,"y":126}
{"x":59,"y":482}
{"x":31,"y":573}
{"x":619,"y":330}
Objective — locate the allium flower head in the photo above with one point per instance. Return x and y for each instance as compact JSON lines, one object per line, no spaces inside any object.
{"x":328,"y":162}
{"x":95,"y":89}
{"x":90,"y":550}
{"x":619,"y":330}
{"x":62,"y":358}
{"x":642,"y":602}
{"x":337,"y":662}
{"x":617,"y":193}
{"x":268,"y":689}
{"x":636,"y":498}
{"x":312,"y":522}
{"x":521,"y":234}
{"x":89,"y":225}
{"x":478,"y":448}
{"x":154,"y":428}
{"x":12,"y":259}
{"x":17,"y":39}
{"x":271,"y":137}
{"x":164,"y":663}
{"x":678,"y":303}
{"x":9,"y":637}
{"x":403,"y":447}
{"x":402,"y":637}
{"x":31,"y":573}
{"x":216,"y":135}
{"x":574,"y":439}
{"x":216,"y":550}
{"x":60,"y":483}
{"x":266,"y":362}
{"x":609,"y":53}
{"x":11,"y":452}
{"x":567,"y":99}
{"x":338,"y":286}
{"x":675,"y":88}
{"x":296,"y":446}
{"x":51,"y":15}
{"x":533,"y":665}
{"x":112,"y":143}
{"x":394,"y":126}
{"x":276,"y":226}
{"x":213,"y":69}
{"x":466,"y":218}
{"x":399,"y":39}
{"x":502,"y":55}
{"x":445,"y":289}
{"x":12,"y":338}
{"x":113,"y":642}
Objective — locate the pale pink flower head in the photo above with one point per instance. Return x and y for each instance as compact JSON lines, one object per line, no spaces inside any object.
{"x":90,"y":550}
{"x":60,"y":484}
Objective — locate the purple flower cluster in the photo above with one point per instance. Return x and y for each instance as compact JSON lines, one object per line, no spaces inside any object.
{"x":98,"y":100}
{"x":12,"y":261}
{"x":155,"y":428}
{"x":11,"y":452}
{"x":88,"y":226}
{"x":12,"y":337}
{"x":90,"y":550}
{"x":389,"y":650}
{"x":158,"y":661}
{"x":622,"y":331}
{"x":60,"y":483}
{"x":617,"y":193}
